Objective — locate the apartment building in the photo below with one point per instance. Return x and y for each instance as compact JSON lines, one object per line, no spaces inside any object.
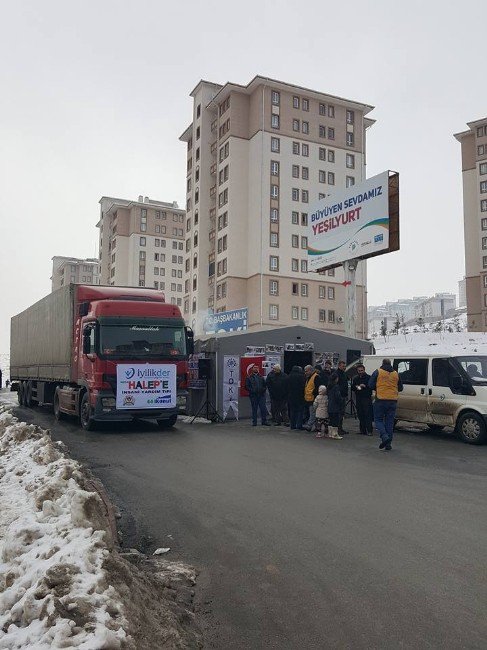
{"x":474,"y":171}
{"x":439,"y":306}
{"x":258,"y":157}
{"x":142,"y":245}
{"x":72,"y":270}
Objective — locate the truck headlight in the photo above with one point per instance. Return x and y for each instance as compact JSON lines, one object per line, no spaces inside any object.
{"x":108,"y":401}
{"x":181,"y":400}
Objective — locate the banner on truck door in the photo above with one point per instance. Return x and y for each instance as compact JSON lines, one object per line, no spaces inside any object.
{"x":143,"y":386}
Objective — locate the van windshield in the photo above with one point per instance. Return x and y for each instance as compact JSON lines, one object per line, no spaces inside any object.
{"x":476,"y":368}
{"x":139,"y":340}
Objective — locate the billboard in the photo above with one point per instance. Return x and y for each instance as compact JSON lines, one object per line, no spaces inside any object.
{"x":227,"y":321}
{"x":357,"y":222}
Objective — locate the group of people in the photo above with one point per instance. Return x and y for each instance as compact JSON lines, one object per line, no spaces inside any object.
{"x":314,"y":399}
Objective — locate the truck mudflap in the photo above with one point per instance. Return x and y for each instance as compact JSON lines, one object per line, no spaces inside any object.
{"x":104,"y":410}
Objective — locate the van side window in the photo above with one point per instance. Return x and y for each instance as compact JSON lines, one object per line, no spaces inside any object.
{"x":412,"y":371}
{"x":445,"y":374}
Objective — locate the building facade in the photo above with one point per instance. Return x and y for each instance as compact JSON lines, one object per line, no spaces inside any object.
{"x":258,"y":158}
{"x":408,"y":310}
{"x":142,"y":245}
{"x":72,"y":270}
{"x":474,"y":173}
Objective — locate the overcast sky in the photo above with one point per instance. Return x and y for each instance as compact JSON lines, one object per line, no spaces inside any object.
{"x":94,"y":95}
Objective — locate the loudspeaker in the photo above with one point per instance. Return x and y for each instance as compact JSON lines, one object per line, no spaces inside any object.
{"x":204,"y":368}
{"x":353,"y":355}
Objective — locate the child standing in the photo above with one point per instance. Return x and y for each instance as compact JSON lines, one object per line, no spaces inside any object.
{"x":321,"y":407}
{"x":336,"y":404}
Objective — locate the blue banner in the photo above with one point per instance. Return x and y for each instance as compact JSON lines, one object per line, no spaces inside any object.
{"x":227,"y":321}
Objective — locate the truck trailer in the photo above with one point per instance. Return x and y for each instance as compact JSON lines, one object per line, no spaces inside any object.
{"x":102,"y":354}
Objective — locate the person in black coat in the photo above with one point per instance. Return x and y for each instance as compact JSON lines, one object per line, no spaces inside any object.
{"x":255,"y":385}
{"x":296,"y":397}
{"x":363,"y":400}
{"x":277,"y":383}
{"x":343,"y":387}
{"x":336,"y":406}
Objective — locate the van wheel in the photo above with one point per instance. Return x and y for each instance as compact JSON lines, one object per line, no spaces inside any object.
{"x":57,"y":413}
{"x":86,"y":421}
{"x":167,"y":424}
{"x":436,"y":427}
{"x":471,"y":428}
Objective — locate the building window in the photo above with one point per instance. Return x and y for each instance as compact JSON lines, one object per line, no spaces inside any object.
{"x":275,"y":145}
{"x":322,"y":176}
{"x":141,"y":255}
{"x":273,"y":263}
{"x":331,"y":111}
{"x":276,"y":98}
{"x":322,"y":315}
{"x":304,"y":266}
{"x":331,"y":178}
{"x":305,"y":104}
{"x":294,"y":312}
{"x":331,"y":156}
{"x":331,"y":293}
{"x":273,"y":287}
{"x":295,"y":102}
{"x":483,"y":168}
{"x":480,"y":149}
{"x":304,"y":313}
{"x":350,"y":139}
{"x":274,"y":215}
{"x":273,"y":312}
{"x":296,"y":148}
{"x":274,"y":240}
{"x":331,"y":133}
{"x":304,"y":243}
{"x":305,"y":173}
{"x":304,"y":218}
{"x":349,"y":181}
{"x":295,"y":218}
{"x":331,"y":316}
{"x":322,"y":153}
{"x":274,"y":168}
{"x":350,"y":161}
{"x":483,"y":187}
{"x":295,"y":289}
{"x":480,"y":131}
{"x":274,"y":191}
{"x":142,"y":241}
{"x":331,"y":272}
{"x":295,"y":241}
{"x":322,"y":291}
{"x":305,"y":127}
{"x":295,"y":171}
{"x":295,"y":265}
{"x":295,"y":194}
{"x":485,"y":281}
{"x":304,"y":196}
{"x":350,"y":117}
{"x":304,"y":290}
{"x":296,"y":125}
{"x":275,"y":121}
{"x":322,"y":131}
{"x":305,"y":150}
{"x":483,"y":223}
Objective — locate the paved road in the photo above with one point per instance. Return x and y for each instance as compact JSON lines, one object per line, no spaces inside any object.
{"x":306,"y":543}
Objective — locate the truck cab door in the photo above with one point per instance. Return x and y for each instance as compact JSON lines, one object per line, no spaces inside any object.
{"x":445,"y":393}
{"x":412,"y":404}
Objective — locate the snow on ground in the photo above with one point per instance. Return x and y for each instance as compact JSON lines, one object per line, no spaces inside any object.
{"x":458,"y":343}
{"x":54,"y":592}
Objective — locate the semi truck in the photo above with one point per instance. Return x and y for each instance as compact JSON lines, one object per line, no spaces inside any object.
{"x":102,"y":354}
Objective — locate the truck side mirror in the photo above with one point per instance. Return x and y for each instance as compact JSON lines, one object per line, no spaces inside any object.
{"x":86,"y":342}
{"x":189,"y":340}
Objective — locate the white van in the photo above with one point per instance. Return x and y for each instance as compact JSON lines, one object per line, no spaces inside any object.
{"x":442,"y":390}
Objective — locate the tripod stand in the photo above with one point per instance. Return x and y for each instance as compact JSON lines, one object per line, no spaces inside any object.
{"x":207,"y":408}
{"x":351,"y":403}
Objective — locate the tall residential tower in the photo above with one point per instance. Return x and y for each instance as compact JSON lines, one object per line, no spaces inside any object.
{"x":258,"y":158}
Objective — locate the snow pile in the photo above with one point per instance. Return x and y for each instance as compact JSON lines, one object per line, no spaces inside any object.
{"x":54,"y":591}
{"x":458,"y":343}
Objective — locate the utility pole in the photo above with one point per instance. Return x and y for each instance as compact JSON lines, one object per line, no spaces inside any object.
{"x":350,"y":284}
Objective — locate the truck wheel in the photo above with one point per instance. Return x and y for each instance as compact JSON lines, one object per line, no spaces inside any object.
{"x":471,"y":428}
{"x":57,"y":413}
{"x":167,"y":424}
{"x":87,"y":422}
{"x":436,"y":427}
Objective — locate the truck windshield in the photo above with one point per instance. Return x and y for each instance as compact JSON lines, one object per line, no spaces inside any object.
{"x":144,"y":340}
{"x":476,"y":368}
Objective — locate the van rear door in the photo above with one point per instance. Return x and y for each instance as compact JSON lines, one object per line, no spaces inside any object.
{"x":412,"y":405}
{"x":445,"y":392}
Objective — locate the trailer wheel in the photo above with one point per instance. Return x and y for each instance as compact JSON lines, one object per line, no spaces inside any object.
{"x":57,"y":413}
{"x":167,"y":424}
{"x":87,"y":422}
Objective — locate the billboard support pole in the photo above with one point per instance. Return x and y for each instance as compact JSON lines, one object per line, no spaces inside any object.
{"x":350,"y":271}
